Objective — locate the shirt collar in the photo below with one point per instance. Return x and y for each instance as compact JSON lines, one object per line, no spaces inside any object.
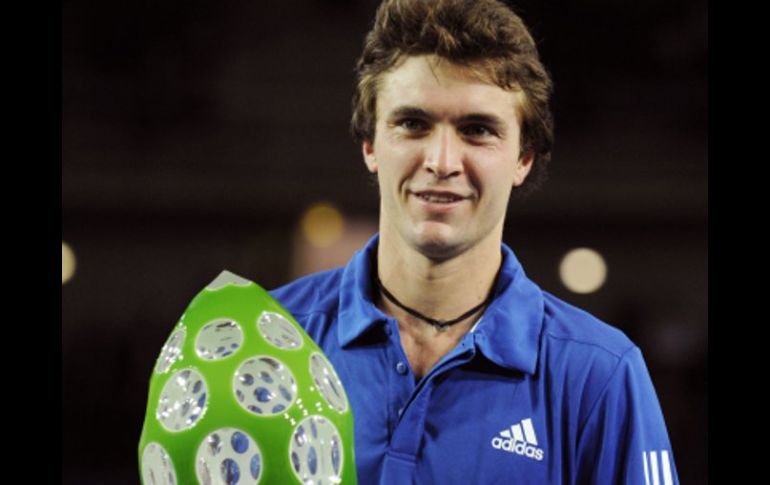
{"x":357,"y":311}
{"x":507,"y":334}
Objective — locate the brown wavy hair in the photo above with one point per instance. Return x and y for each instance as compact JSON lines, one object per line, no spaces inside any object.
{"x":485,"y":35}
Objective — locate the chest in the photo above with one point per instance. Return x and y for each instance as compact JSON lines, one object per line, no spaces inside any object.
{"x":424,"y":349}
{"x":463,"y":425}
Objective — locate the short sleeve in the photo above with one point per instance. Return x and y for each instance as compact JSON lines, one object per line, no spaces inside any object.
{"x":623,"y":439}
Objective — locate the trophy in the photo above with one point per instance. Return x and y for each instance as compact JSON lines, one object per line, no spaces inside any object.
{"x":240,"y":394}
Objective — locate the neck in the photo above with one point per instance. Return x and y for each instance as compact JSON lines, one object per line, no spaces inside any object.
{"x":442,"y":290}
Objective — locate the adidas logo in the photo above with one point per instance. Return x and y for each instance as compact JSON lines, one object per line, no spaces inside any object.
{"x":651,"y":473}
{"x":519,"y":439}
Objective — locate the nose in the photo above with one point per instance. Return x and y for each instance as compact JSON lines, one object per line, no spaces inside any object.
{"x":443,"y":155}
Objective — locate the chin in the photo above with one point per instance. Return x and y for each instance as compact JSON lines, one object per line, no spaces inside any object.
{"x":438,"y":245}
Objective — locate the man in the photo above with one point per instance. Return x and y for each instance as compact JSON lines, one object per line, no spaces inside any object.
{"x":459,"y":369}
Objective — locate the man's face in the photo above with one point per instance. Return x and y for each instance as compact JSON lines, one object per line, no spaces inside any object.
{"x":446,"y":154}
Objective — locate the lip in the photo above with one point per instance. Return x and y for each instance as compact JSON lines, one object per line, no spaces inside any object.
{"x":438,"y":207}
{"x":444,"y":193}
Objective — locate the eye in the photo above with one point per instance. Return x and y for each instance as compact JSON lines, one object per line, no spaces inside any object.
{"x":413,"y":124}
{"x":477,"y":131}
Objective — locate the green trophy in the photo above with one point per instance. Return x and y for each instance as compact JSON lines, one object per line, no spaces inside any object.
{"x":241,"y":395}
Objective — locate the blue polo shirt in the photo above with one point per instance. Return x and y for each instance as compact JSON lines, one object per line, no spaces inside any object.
{"x":537,"y":392}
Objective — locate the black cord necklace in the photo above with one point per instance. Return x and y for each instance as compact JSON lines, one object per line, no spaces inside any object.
{"x":439,"y":325}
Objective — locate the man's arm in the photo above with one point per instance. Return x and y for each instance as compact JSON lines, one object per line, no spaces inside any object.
{"x":624,"y":438}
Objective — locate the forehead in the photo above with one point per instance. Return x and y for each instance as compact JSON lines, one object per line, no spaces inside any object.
{"x":441,"y":86}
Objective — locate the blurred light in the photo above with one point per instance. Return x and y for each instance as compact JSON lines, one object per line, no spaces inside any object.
{"x":307,"y":258}
{"x":67,"y":263}
{"x":583,"y":270}
{"x":322,"y":225}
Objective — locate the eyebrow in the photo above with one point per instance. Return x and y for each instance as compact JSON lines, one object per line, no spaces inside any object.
{"x":409,"y":112}
{"x":484,"y":118}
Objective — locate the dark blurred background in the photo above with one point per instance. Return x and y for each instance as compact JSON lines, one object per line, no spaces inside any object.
{"x":196,"y":135}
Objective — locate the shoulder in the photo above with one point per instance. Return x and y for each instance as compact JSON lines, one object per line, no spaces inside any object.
{"x":314,"y":293}
{"x":573,"y":326}
{"x":586,"y":354}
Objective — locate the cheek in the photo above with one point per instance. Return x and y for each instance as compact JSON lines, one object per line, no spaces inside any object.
{"x":398,"y":150}
{"x":487,"y":171}
{"x":398,"y":161}
{"x":493,"y":179}
{"x":388,"y":178}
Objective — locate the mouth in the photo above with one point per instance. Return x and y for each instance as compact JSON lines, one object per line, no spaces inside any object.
{"x":439,"y":197}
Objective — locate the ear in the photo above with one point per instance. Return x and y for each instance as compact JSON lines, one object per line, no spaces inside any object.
{"x":367,"y":148}
{"x":523,"y":167}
